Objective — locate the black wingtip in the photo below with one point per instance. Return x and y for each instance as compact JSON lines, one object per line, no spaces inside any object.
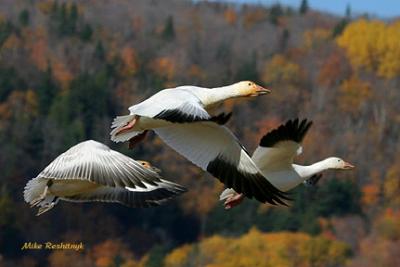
{"x":221,"y":118}
{"x":251,"y":185}
{"x":293,"y":130}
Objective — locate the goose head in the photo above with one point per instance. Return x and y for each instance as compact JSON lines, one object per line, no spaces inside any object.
{"x":147,"y":165}
{"x":338,"y":164}
{"x":249,"y":88}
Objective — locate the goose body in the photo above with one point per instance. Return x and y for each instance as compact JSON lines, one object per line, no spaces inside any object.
{"x":274,"y":157}
{"x":182,"y":104}
{"x":179,"y":117}
{"x":91,"y":171}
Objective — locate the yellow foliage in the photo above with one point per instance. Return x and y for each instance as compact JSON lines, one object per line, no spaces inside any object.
{"x":12,"y":42}
{"x":316,"y":37}
{"x":354,"y":93}
{"x":261,"y":249}
{"x":280,"y":70}
{"x":373,"y":45}
{"x":283,"y":74}
{"x":178,"y":257}
{"x":391,"y":186}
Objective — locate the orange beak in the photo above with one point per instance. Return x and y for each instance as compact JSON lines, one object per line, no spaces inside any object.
{"x":348,"y":166}
{"x":261,"y":91}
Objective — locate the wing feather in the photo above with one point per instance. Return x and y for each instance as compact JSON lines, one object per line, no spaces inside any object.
{"x":93,"y":161}
{"x":216,"y":150}
{"x":278,"y":147}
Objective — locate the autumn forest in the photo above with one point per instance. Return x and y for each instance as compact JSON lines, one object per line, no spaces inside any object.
{"x":67,"y":68}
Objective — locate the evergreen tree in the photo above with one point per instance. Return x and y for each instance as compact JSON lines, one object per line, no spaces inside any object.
{"x":169,"y":31}
{"x":275,"y":12}
{"x":348,"y":12}
{"x":24,"y":17}
{"x":99,"y":52}
{"x":303,"y":7}
{"x":46,"y":91}
{"x":86,"y":33}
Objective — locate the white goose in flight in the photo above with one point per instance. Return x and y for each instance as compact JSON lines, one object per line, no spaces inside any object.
{"x":179,"y":117}
{"x":182,"y":104}
{"x":274,"y":157}
{"x":91,"y":171}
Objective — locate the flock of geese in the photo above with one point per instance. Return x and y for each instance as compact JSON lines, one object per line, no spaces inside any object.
{"x":91,"y":171}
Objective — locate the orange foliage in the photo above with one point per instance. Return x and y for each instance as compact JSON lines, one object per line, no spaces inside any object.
{"x":332,"y":70}
{"x":353,"y":95}
{"x":105,"y":253}
{"x":253,"y":17}
{"x":196,"y":72}
{"x":22,"y":105}
{"x":388,"y":225}
{"x":164,"y":67}
{"x":60,"y":72}
{"x":230,"y":16}
{"x":38,"y":47}
{"x":129,"y":59}
{"x":370,"y":194}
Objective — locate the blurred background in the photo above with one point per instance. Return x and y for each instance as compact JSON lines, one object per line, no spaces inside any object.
{"x":68,"y":67}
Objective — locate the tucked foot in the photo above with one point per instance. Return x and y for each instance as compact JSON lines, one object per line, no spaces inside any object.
{"x":39,"y":199}
{"x":233,"y":201}
{"x":137,"y":139}
{"x":127,"y":127}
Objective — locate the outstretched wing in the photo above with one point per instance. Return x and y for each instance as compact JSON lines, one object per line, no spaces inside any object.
{"x":278,"y":148}
{"x":96,"y":162}
{"x":216,"y":150}
{"x":131,"y":197}
{"x":174,"y":105}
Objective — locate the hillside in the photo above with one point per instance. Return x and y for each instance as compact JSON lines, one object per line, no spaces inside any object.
{"x":68,"y":67}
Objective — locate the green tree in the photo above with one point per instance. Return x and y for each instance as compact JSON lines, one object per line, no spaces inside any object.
{"x":24,"y":17}
{"x":276,"y":11}
{"x":169,"y":31}
{"x":86,"y":33}
{"x":303,"y":7}
{"x":46,"y":91}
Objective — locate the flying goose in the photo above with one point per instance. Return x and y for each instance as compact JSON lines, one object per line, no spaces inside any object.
{"x":274,"y":157}
{"x":179,"y":117}
{"x":91,"y":171}
{"x":182,"y":104}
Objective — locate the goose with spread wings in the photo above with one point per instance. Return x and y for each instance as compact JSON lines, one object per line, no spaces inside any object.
{"x":274,"y":157}
{"x":179,"y":117}
{"x":183,"y":104}
{"x":91,"y":171}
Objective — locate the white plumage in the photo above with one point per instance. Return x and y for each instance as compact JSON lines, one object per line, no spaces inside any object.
{"x":179,"y":116}
{"x":275,"y":154}
{"x":91,"y":171}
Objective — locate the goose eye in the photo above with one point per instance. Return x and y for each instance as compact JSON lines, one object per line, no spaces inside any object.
{"x":249,"y":84}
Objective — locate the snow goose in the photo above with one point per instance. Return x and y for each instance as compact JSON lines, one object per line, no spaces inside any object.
{"x":177,"y":105}
{"x":274,"y":157}
{"x":216,"y":150}
{"x":91,"y":171}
